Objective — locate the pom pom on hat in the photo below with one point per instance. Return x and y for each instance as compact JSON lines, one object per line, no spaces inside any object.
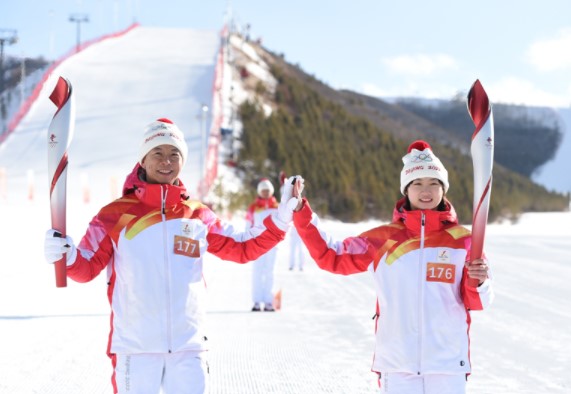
{"x":265,"y":184}
{"x":418,"y":145}
{"x":421,"y":162}
{"x":163,"y":132}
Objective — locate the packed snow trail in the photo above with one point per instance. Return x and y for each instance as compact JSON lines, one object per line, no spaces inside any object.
{"x":54,"y":340}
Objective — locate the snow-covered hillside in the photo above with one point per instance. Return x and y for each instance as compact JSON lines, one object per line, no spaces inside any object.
{"x":53,"y":341}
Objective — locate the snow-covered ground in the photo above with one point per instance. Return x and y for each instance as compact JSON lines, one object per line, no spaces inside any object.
{"x":54,"y":340}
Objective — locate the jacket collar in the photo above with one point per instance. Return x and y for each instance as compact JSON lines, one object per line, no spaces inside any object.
{"x":150,"y":193}
{"x":265,"y":202}
{"x":433,"y":220}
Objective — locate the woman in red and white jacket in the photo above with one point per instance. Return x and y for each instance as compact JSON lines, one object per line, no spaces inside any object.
{"x":152,"y":242}
{"x":263,"y":206}
{"x":419,"y":263}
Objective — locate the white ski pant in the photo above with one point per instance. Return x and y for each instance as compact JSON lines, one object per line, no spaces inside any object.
{"x":406,"y":383}
{"x":166,"y":373}
{"x":296,"y":249}
{"x":263,"y":277}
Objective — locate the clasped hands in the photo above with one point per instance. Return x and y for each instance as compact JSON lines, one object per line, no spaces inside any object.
{"x":291,"y":199}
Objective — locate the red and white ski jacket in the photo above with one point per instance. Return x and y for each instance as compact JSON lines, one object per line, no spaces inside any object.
{"x":260,"y":209}
{"x":423,"y":301}
{"x":152,"y":242}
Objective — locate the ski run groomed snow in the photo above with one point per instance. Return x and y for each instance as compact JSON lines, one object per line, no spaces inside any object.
{"x":54,"y":340}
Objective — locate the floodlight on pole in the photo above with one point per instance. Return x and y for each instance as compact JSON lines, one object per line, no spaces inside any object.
{"x":78,"y":19}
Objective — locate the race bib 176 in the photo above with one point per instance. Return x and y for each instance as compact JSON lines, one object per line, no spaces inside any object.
{"x":440,"y":272}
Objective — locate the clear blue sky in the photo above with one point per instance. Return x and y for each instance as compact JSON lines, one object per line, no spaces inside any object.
{"x":519,"y":49}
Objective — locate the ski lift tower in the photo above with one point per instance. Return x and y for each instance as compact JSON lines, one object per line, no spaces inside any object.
{"x":7,"y":37}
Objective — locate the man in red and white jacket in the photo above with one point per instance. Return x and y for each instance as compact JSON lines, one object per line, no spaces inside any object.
{"x":420,"y":266}
{"x":152,"y":242}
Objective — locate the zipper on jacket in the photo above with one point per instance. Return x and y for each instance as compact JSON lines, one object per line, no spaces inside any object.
{"x":164,"y":192}
{"x":421,"y":292}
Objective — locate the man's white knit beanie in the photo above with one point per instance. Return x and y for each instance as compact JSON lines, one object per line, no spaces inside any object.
{"x":421,"y":162}
{"x":163,"y":132}
{"x":265,"y":184}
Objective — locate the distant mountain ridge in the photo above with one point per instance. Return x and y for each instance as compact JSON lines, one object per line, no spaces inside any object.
{"x":349,"y":146}
{"x":555,"y":173}
{"x":525,"y":137}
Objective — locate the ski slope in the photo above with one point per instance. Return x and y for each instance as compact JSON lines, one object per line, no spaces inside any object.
{"x":54,"y":340}
{"x":120,"y":85}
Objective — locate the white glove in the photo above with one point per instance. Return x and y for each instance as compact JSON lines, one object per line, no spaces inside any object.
{"x":55,"y":246}
{"x":288,"y":202}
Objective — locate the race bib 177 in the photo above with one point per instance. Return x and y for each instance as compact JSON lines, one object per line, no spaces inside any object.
{"x":186,"y":246}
